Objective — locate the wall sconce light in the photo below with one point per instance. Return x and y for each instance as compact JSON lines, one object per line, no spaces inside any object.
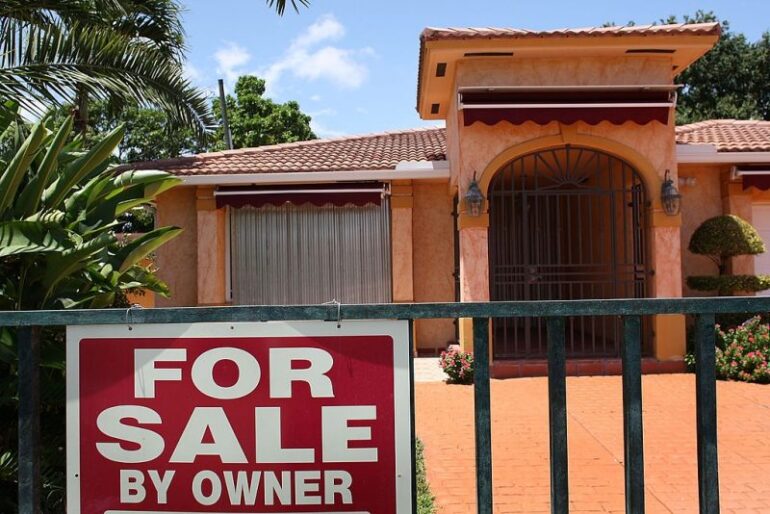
{"x":474,"y":199}
{"x":670,"y":196}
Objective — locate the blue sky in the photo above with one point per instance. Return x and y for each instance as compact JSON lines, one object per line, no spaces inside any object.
{"x":352,"y":64}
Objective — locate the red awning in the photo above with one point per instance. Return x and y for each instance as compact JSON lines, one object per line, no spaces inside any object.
{"x":754,"y":176}
{"x":359,"y":194}
{"x":592,"y":105}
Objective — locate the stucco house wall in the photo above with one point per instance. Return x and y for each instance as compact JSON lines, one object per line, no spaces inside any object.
{"x":178,"y":261}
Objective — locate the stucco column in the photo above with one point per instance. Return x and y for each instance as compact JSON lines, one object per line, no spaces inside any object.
{"x":211,"y":248}
{"x":666,"y":253}
{"x":474,"y":269}
{"x":737,"y":201}
{"x":401,"y":203}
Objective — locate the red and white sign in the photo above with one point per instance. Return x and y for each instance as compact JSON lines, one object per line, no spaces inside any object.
{"x":278,"y":417}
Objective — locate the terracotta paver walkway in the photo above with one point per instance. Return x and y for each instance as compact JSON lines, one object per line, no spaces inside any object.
{"x":595,"y":427}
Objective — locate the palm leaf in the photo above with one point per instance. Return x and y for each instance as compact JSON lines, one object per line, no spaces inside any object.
{"x":24,"y":237}
{"x":141,"y":247}
{"x":280,"y":5}
{"x":52,"y":63}
{"x":12,"y":176}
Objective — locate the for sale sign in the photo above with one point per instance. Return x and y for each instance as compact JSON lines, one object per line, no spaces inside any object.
{"x":239,"y":417}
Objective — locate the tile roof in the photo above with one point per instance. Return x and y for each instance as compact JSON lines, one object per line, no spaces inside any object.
{"x":381,"y":151}
{"x":727,"y":135}
{"x":385,"y":150}
{"x":695,"y":29}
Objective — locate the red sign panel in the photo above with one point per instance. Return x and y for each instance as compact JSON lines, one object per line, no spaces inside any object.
{"x":245,"y":418}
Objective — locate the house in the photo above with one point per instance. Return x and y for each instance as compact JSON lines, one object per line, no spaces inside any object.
{"x":545,"y":184}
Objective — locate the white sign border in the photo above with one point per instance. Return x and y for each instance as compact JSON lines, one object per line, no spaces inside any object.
{"x":398,"y":330}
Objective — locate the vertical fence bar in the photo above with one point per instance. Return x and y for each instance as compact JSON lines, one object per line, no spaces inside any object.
{"x":706,"y":406}
{"x":557,"y":415}
{"x":633,"y":445}
{"x":29,"y":420}
{"x":482,"y":415}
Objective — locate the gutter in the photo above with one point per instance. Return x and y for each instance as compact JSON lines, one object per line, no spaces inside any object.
{"x":708,"y":154}
{"x":405,"y":170}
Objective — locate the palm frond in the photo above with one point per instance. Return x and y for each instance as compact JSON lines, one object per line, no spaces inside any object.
{"x":49,"y":64}
{"x":280,"y":5}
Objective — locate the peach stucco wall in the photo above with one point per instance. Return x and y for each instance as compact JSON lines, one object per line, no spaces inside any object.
{"x":433,"y":260}
{"x":177,"y":261}
{"x":700,"y":201}
{"x":482,"y":150}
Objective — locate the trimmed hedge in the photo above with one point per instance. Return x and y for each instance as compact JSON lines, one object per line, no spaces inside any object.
{"x":726,"y":236}
{"x":728,"y":284}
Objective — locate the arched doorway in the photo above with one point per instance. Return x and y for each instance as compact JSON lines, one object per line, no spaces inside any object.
{"x":565,"y":223}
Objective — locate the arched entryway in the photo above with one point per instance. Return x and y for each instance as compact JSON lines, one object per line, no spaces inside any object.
{"x":565,"y":223}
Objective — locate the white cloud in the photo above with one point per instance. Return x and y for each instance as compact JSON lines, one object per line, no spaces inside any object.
{"x":316,"y":98}
{"x":192,"y":73}
{"x":308,"y":58}
{"x":231,"y":59}
{"x":322,"y":131}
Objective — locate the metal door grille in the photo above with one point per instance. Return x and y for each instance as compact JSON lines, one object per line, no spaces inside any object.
{"x":292,"y":255}
{"x":565,"y":224}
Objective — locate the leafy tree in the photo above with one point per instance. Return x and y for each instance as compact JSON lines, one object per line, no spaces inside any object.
{"x":63,"y":52}
{"x":722,"y":238}
{"x":148,"y":133}
{"x":256,"y":120}
{"x":730,"y":81}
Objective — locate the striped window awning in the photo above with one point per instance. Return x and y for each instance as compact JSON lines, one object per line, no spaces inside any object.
{"x":339,"y":194}
{"x":753,"y":175}
{"x":567,"y":104}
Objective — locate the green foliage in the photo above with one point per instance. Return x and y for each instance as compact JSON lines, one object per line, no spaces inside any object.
{"x":59,"y":208}
{"x":743,"y":352}
{"x":458,"y":365}
{"x":149,"y":135}
{"x":721,"y":238}
{"x":58,"y":214}
{"x":726,"y":236}
{"x":729,"y":284}
{"x":61,"y":52}
{"x":256,"y":120}
{"x":730,"y":81}
{"x":425,"y":499}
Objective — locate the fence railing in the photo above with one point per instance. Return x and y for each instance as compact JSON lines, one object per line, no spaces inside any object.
{"x":555,"y":312}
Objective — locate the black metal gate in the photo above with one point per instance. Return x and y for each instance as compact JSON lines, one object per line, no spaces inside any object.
{"x":565,"y":224}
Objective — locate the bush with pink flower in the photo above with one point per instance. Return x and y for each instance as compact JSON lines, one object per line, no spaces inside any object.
{"x":743,"y":352}
{"x":458,"y":365}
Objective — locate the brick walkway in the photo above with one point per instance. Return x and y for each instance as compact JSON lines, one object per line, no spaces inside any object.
{"x":595,"y":427}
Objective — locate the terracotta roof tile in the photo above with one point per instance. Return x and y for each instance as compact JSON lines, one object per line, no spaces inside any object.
{"x":381,"y":151}
{"x":727,"y":135}
{"x":433,"y":34}
{"x":385,"y":150}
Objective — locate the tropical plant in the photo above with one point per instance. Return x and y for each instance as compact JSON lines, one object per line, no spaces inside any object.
{"x":58,"y":213}
{"x":721,"y":238}
{"x":64,"y":52}
{"x":59,"y":207}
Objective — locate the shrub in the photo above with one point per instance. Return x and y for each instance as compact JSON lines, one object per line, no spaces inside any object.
{"x":728,"y":284}
{"x":726,"y":236}
{"x":721,"y":238}
{"x":743,"y":352}
{"x":458,"y":365}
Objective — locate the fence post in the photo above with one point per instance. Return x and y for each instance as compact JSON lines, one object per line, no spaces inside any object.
{"x":29,"y":420}
{"x":482,"y":415}
{"x":706,"y":407}
{"x":633,"y":428}
{"x":557,"y":415}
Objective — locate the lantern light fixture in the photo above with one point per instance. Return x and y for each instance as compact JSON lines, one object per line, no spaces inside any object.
{"x":670,"y":196}
{"x":474,"y":199}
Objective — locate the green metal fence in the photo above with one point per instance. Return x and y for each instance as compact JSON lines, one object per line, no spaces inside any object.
{"x":555,"y":312}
